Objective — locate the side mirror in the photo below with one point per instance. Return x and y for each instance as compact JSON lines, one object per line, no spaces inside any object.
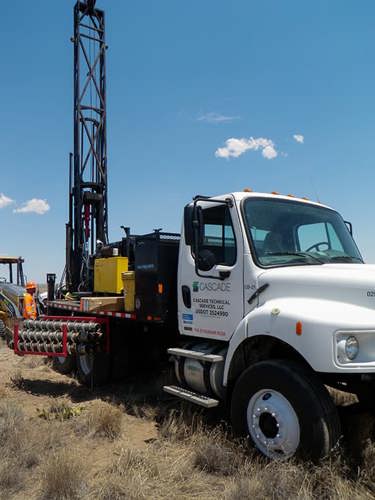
{"x":199,"y":225}
{"x":206,"y":260}
{"x":193,"y":225}
{"x":188,"y":224}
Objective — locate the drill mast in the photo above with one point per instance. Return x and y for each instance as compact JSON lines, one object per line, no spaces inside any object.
{"x":88,"y":216}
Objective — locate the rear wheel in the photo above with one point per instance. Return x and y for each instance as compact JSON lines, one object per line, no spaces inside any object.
{"x":93,"y":368}
{"x":285,"y":411}
{"x":64,"y":365}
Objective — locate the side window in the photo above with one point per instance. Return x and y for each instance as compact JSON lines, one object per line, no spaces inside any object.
{"x":218,"y":235}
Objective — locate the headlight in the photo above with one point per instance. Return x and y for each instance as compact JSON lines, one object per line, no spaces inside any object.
{"x":351,"y":347}
{"x":347,"y":346}
{"x":355,"y":348}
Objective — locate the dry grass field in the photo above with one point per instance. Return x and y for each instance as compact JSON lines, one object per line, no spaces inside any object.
{"x":61,"y":441}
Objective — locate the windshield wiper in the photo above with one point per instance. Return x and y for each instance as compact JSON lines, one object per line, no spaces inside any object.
{"x":345,"y":258}
{"x":297,"y":254}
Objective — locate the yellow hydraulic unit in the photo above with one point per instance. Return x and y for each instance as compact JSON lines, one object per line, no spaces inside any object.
{"x":128,"y":280}
{"x":107,"y":274}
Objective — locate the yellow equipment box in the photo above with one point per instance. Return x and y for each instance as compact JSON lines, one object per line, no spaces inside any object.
{"x":107,"y":274}
{"x":128,"y":280}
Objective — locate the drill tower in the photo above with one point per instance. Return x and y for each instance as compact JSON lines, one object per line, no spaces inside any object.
{"x":88,"y":217}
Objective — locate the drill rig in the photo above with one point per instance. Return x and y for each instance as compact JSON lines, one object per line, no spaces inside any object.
{"x":88,"y":216}
{"x":90,"y":325}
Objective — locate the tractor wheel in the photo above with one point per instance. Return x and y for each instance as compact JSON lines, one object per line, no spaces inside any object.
{"x":2,"y":329}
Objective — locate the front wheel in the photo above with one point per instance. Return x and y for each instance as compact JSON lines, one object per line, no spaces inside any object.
{"x":285,"y":411}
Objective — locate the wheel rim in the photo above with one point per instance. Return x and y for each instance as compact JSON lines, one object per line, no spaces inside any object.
{"x":85,"y":363}
{"x":273,"y":424}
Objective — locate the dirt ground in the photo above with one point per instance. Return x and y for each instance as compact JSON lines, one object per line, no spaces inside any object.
{"x":128,"y":441}
{"x":31,"y":384}
{"x":41,"y":386}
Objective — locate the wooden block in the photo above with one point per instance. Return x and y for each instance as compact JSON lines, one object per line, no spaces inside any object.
{"x":105,"y":304}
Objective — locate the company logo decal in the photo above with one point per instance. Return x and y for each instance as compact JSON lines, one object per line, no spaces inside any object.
{"x":211,"y":286}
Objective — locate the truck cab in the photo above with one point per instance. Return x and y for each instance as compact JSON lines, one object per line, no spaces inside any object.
{"x":275,"y":303}
{"x":249,"y":244}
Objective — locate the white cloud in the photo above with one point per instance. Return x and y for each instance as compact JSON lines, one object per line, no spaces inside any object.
{"x":35,"y":206}
{"x":269,"y":152}
{"x":216,"y":118}
{"x":299,"y":138}
{"x":236,"y":147}
{"x":5,"y":200}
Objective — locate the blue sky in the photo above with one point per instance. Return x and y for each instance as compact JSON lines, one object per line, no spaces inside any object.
{"x":183,"y":78}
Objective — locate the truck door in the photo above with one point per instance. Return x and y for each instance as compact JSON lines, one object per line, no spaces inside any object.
{"x":210,"y":278}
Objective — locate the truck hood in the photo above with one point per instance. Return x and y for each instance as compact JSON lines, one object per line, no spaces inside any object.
{"x":347,"y":283}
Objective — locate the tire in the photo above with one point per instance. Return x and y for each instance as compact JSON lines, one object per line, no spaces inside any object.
{"x":2,"y":329}
{"x":93,"y":370}
{"x":365,"y":396}
{"x":285,"y":411}
{"x":64,"y":365}
{"x":120,"y":363}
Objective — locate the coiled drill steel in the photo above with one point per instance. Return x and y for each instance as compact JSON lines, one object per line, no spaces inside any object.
{"x":47,"y":335}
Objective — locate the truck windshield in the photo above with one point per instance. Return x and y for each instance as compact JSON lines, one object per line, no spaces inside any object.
{"x":287,"y":232}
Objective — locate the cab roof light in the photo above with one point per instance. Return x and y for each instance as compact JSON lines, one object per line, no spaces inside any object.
{"x":247,"y":190}
{"x":274,"y":192}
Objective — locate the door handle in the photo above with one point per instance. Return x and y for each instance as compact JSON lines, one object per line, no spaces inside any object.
{"x":186,"y":296}
{"x":224,"y":274}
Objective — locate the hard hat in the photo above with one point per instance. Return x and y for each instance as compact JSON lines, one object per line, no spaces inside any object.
{"x":30,"y":285}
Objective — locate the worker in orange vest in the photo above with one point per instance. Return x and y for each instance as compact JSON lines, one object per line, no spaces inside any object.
{"x":29,"y":304}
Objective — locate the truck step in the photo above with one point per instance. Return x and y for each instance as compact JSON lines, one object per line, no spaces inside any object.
{"x":191,"y":396}
{"x":201,"y":356}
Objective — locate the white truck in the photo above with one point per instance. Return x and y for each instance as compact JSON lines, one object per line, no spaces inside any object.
{"x":276,"y":294}
{"x":267,"y":301}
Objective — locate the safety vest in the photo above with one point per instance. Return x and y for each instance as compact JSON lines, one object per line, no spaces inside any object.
{"x":29,"y":306}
